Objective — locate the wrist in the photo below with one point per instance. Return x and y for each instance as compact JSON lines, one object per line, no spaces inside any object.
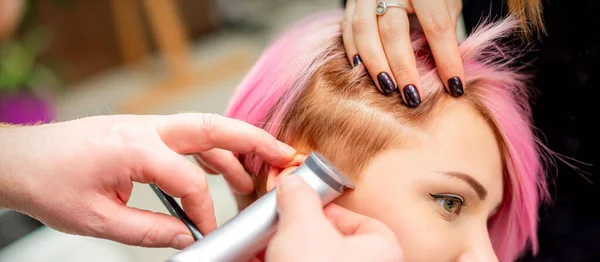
{"x":11,"y":156}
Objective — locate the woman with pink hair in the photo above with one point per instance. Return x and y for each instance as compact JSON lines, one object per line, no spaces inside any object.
{"x":455,"y":179}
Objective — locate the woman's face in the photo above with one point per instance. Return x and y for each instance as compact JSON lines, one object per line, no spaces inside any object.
{"x":437,"y":194}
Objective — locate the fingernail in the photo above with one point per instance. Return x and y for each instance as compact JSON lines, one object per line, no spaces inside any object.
{"x":386,"y":83}
{"x":288,"y":182}
{"x":455,"y":86}
{"x":356,"y":60}
{"x":286,"y":148}
{"x":181,"y":241}
{"x":412,"y":96}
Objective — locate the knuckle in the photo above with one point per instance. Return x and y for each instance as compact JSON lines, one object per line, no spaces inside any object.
{"x":206,"y":121}
{"x":198,"y":185}
{"x":359,"y":24}
{"x":201,"y":185}
{"x":446,"y":66}
{"x":392,"y":28}
{"x":438,"y":26}
{"x":122,"y":137}
{"x":402,"y":70}
{"x":378,"y":60}
{"x":150,"y":237}
{"x":121,"y":131}
{"x":98,"y":222}
{"x":207,"y":124}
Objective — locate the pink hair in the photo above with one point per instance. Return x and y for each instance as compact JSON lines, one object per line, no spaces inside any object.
{"x":289,"y":64}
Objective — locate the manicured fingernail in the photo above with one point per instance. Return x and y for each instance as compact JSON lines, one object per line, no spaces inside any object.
{"x":181,"y":241}
{"x":288,"y":182}
{"x":412,"y":96}
{"x":288,"y":150}
{"x":386,"y":83}
{"x":356,"y":60}
{"x":455,"y":86}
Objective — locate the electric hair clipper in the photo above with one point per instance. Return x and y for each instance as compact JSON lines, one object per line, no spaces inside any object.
{"x":248,"y":233}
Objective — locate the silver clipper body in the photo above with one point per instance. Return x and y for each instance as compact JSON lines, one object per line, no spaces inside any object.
{"x":248,"y":233}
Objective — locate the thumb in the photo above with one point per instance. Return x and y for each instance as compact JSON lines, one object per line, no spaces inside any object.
{"x":299,"y":205}
{"x":138,"y":227}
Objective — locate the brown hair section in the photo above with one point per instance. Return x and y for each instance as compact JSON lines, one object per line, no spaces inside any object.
{"x":529,"y":13}
{"x":343,"y":116}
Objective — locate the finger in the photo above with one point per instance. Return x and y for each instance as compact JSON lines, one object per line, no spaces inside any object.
{"x":349,"y":223}
{"x":225,"y":163}
{"x":137,"y":227}
{"x":348,"y":37}
{"x":193,"y":133}
{"x":394,"y":29}
{"x":299,"y":207}
{"x":180,"y":178}
{"x":368,"y":43}
{"x":204,"y":166}
{"x":455,"y":9}
{"x":440,"y":31}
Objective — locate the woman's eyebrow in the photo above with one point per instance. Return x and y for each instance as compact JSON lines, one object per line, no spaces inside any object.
{"x":481,"y":191}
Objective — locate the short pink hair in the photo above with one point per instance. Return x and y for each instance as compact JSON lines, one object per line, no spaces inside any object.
{"x":267,"y":98}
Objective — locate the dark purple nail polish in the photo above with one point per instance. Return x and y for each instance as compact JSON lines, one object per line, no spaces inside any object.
{"x":356,"y":61}
{"x":412,"y":96}
{"x":386,"y":83}
{"x":455,"y":86}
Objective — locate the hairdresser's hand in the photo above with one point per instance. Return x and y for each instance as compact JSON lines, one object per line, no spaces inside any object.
{"x":383,"y":44}
{"x":306,"y":233}
{"x":77,"y":176}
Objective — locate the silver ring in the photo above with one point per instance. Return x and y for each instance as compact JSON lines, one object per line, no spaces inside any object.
{"x":383,"y":6}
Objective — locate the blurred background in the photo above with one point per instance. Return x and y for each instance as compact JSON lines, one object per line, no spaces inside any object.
{"x":67,"y":59}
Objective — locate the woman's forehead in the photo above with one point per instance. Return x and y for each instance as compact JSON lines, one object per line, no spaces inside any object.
{"x":457,"y":138}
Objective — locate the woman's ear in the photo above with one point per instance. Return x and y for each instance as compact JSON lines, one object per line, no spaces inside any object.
{"x":276,"y":173}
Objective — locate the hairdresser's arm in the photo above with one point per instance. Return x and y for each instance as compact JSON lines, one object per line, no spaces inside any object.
{"x":383,"y":44}
{"x":306,"y":233}
{"x":77,"y":176}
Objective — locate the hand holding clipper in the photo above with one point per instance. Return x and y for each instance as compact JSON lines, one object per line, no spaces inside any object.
{"x":307,"y":232}
{"x":248,"y":233}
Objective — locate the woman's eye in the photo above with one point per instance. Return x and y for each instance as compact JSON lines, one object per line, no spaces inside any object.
{"x":451,"y":204}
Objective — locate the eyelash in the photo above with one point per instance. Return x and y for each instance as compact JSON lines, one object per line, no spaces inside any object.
{"x":451,"y":215}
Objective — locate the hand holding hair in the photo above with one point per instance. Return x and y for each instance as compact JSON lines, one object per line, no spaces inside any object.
{"x":377,"y":34}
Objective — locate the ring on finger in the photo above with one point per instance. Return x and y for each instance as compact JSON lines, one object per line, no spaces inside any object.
{"x":383,"y":6}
